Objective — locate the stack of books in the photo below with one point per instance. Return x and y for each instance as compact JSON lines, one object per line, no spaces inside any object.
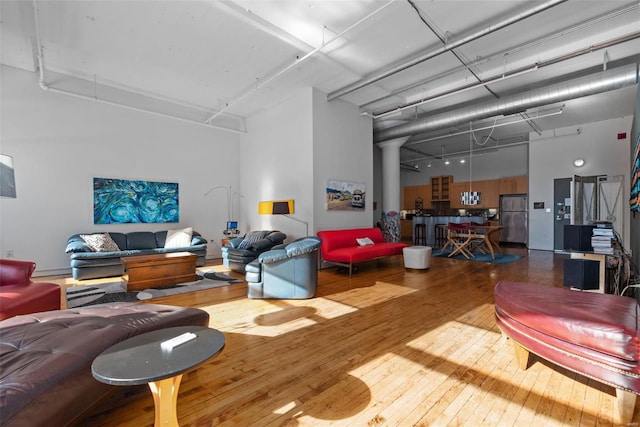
{"x":602,"y":238}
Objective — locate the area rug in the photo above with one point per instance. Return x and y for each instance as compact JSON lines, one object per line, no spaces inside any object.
{"x":499,"y":258}
{"x":80,"y":296}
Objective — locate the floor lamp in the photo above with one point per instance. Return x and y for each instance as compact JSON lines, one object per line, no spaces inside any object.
{"x":280,"y":207}
{"x":232,"y":225}
{"x":7,"y":177}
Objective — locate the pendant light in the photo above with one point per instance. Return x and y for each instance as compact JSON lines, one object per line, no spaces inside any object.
{"x":446,"y":161}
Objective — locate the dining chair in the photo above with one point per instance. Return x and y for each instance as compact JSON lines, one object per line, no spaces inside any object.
{"x":459,"y":237}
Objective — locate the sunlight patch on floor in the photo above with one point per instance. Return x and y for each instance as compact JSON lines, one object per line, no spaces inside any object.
{"x":270,"y":318}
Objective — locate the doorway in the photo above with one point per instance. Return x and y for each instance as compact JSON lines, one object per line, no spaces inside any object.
{"x":562,"y":210}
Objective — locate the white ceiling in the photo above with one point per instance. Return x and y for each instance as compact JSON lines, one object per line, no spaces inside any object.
{"x":219,"y":62}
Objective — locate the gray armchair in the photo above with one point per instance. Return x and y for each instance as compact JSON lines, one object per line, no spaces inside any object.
{"x":286,"y":271}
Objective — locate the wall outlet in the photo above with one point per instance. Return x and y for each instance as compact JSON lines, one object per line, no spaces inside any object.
{"x":9,"y":253}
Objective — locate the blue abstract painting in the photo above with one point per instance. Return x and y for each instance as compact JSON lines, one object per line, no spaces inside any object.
{"x":119,"y":201}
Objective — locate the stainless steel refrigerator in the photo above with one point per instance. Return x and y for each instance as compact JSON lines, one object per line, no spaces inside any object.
{"x":513,"y":217}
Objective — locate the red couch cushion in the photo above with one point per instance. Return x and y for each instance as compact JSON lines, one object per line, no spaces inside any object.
{"x":606,"y":323}
{"x":26,"y":299}
{"x":15,"y":272}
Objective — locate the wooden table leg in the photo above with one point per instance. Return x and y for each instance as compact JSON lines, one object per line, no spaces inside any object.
{"x":489,"y":244}
{"x":165,"y":399}
{"x":493,"y":238}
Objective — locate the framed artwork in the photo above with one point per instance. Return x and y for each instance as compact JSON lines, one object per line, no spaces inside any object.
{"x":634,"y":197}
{"x":119,"y":201}
{"x":345,"y":195}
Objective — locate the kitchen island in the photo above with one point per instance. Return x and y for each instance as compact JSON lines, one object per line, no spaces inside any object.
{"x":430,"y":223}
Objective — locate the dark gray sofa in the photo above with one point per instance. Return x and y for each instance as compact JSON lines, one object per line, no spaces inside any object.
{"x":88,"y":264}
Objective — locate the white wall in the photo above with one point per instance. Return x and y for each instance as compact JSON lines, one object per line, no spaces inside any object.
{"x":277,"y":164}
{"x":291,"y":150}
{"x":551,"y":156}
{"x":61,"y":143}
{"x":342,"y":149}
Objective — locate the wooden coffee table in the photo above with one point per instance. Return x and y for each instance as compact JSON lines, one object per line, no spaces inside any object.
{"x":157,"y":270}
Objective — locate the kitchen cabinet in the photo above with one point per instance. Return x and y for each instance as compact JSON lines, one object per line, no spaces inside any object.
{"x":412,"y":192}
{"x":441,"y":187}
{"x":489,"y":196}
{"x":456,"y":188}
{"x":513,"y":185}
{"x":490,"y":191}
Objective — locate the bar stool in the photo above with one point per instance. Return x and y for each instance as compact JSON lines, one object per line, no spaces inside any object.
{"x":420,"y":235}
{"x":440,"y":232}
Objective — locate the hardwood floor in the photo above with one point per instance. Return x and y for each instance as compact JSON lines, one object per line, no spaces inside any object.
{"x":389,"y":347}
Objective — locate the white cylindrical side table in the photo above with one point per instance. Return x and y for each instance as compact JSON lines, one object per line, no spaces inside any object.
{"x":418,"y":257}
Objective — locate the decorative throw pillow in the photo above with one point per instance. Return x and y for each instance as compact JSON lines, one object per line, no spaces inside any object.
{"x":251,"y":237}
{"x":364,"y":241}
{"x":178,"y":238}
{"x":100,"y":242}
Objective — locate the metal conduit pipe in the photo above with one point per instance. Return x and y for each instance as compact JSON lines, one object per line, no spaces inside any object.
{"x":537,"y":42}
{"x":297,"y":62}
{"x":42,"y":81}
{"x":421,"y":58}
{"x":514,"y":73}
{"x":603,"y":81}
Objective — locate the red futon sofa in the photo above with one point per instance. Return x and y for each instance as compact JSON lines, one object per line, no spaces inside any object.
{"x":19,"y":295}
{"x":593,"y":334}
{"x":341,"y":247}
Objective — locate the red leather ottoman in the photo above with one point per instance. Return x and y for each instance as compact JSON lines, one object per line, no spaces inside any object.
{"x":595,"y":335}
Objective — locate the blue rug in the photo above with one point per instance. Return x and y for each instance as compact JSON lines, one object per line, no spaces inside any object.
{"x":499,"y":258}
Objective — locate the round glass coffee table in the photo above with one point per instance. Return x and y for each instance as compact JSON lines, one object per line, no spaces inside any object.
{"x":144,"y":359}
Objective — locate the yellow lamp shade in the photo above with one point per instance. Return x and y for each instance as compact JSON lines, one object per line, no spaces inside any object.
{"x":276,"y":207}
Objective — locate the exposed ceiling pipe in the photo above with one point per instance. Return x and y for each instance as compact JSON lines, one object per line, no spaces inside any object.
{"x":463,"y":153}
{"x":603,"y":81}
{"x":514,"y":73}
{"x":297,"y":62}
{"x":540,"y":41}
{"x":42,"y":81}
{"x":394,"y":69}
{"x":557,"y":111}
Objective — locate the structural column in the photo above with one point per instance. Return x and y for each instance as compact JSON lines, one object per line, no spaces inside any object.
{"x":391,"y":191}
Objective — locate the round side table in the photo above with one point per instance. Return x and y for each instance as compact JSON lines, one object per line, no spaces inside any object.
{"x":142,"y":359}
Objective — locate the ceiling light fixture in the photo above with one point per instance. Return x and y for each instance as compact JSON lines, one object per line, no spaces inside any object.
{"x":578,"y":163}
{"x":446,"y":161}
{"x":462,"y":160}
{"x":512,"y":122}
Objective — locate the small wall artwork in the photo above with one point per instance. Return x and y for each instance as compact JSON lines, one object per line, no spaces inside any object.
{"x":634,"y":197}
{"x":345,"y":195}
{"x":120,"y":201}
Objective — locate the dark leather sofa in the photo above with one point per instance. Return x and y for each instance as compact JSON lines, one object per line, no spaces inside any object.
{"x":236,"y":255}
{"x":595,"y":335}
{"x":20,"y":295}
{"x":89,"y":264}
{"x":46,"y":357}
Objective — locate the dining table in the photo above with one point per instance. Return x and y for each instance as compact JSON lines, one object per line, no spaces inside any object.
{"x":473,"y":237}
{"x":486,"y":238}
